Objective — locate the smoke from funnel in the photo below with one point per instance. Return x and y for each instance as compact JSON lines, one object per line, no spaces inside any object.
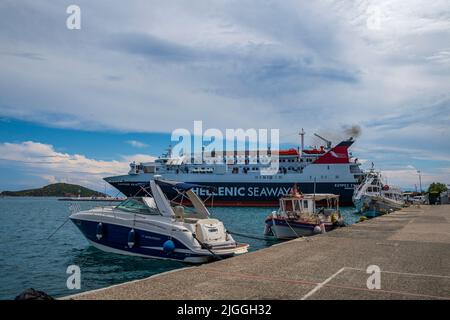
{"x":352,"y":131}
{"x":336,"y":134}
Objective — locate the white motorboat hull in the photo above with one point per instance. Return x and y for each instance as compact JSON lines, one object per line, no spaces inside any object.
{"x":149,"y":238}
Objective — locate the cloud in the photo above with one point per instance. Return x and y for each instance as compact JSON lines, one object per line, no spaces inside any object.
{"x":146,"y":66}
{"x":408,"y":178}
{"x":265,"y":65}
{"x":44,"y":161}
{"x":152,"y":47}
{"x":25,"y":55}
{"x":137,"y":144}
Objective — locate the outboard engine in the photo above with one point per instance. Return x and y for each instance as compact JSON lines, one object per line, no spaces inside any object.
{"x":210,"y":231}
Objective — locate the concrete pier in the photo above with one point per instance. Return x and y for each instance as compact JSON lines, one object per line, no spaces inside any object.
{"x":411,"y":247}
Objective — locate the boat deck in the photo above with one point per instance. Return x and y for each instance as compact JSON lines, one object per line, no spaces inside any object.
{"x":411,"y":247}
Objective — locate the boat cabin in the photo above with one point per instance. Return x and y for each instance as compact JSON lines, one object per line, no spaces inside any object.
{"x":296,"y":205}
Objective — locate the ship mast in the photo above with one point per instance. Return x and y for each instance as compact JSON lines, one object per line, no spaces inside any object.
{"x":302,"y":142}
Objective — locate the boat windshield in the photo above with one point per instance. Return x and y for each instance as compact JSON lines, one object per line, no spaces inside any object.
{"x":139,"y":205}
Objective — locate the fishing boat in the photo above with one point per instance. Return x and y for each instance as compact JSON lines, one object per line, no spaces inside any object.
{"x":373,"y":197}
{"x":153,"y":227}
{"x":304,"y":215}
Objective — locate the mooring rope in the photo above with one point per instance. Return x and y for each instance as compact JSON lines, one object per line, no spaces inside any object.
{"x":205,"y":246}
{"x":67,"y":219}
{"x":251,"y":236}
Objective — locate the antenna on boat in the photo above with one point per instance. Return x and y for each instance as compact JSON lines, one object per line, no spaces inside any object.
{"x":314,"y":195}
{"x":168,"y":154}
{"x":203,"y":154}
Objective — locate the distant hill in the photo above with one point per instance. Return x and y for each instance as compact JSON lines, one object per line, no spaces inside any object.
{"x":55,"y":190}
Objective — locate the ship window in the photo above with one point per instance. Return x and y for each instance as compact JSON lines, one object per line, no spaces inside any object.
{"x":305,"y":204}
{"x":149,"y":169}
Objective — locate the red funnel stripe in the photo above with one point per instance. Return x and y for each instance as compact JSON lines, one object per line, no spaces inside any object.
{"x":338,"y":154}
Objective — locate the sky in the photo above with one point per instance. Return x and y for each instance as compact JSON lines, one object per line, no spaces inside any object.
{"x":78,"y":105}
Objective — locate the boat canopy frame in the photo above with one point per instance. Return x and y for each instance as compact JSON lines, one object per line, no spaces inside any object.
{"x":183,"y":189}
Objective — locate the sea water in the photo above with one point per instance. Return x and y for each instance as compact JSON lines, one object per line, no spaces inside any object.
{"x":29,"y":258}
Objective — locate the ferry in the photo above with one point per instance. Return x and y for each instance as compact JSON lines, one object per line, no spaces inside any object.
{"x":238,"y":178}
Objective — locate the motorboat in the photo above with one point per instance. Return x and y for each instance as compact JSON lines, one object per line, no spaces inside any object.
{"x":304,"y":215}
{"x":373,"y":197}
{"x":153,"y":227}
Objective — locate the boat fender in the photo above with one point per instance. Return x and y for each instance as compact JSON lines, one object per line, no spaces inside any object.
{"x":322,"y":228}
{"x":131,"y":238}
{"x":317,"y":230}
{"x":169,"y":246}
{"x":100,"y":231}
{"x":267,"y":230}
